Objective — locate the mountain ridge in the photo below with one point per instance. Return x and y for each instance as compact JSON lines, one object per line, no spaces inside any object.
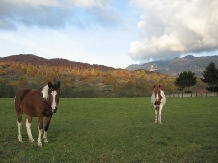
{"x":177,"y":65}
{"x":33,"y":59}
{"x":169,"y":67}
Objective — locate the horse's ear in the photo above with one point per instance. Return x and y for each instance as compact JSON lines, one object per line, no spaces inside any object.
{"x":159,"y":86}
{"x":58,"y":85}
{"x":49,"y":84}
{"x":154,"y":86}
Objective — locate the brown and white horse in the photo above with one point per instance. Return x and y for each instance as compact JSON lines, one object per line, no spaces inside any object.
{"x":37,"y":103}
{"x":158,"y":99}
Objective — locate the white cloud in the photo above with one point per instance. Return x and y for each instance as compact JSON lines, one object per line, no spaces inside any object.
{"x":33,"y":3}
{"x":62,"y":3}
{"x":56,"y":13}
{"x":170,"y":28}
{"x":89,"y":3}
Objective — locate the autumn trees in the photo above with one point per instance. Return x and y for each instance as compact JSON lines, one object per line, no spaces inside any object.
{"x":86,"y":81}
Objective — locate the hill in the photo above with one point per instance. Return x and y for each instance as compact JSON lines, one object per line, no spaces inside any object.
{"x":177,"y":65}
{"x":30,"y":58}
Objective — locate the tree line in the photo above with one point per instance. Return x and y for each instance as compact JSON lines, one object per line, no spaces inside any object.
{"x":96,"y":82}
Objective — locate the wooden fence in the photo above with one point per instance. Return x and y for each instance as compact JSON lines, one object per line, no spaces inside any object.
{"x":207,"y":94}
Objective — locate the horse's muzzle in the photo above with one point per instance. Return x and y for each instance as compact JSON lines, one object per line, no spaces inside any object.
{"x":157,"y":103}
{"x":55,"y":110}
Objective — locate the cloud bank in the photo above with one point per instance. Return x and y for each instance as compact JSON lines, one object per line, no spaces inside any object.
{"x":56,"y":13}
{"x":170,"y":28}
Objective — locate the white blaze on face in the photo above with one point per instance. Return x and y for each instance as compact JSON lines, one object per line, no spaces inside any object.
{"x":53,"y":105}
{"x":157,"y":97}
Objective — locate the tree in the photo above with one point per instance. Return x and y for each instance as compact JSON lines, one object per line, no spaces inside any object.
{"x":22,"y":81}
{"x":7,"y":91}
{"x":185,"y":79}
{"x":210,"y":76}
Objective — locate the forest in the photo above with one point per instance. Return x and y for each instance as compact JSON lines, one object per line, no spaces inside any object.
{"x":83,"y":80}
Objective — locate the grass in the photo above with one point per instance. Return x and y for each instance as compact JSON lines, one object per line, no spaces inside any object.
{"x":121,"y":130}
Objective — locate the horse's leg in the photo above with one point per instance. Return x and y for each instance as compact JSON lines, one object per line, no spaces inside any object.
{"x":159,"y":116}
{"x":48,"y":119}
{"x":155,"y":111}
{"x":19,"y":131}
{"x":19,"y":124}
{"x":28,"y":128}
{"x":40,"y":121}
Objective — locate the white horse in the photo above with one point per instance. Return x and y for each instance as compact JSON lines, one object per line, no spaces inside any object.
{"x":158,"y":99}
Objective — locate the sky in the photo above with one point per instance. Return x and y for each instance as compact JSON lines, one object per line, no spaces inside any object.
{"x":114,"y":33}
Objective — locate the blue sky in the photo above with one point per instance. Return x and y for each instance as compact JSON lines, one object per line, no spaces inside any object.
{"x":108,"y":32}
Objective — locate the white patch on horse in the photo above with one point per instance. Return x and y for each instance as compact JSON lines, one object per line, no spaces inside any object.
{"x":28,"y":127}
{"x":163,"y":100}
{"x":53,"y":105}
{"x":39,"y":137}
{"x":19,"y":132}
{"x":153,"y":98}
{"x":45,"y":137}
{"x":45,"y":92}
{"x":157,"y":97}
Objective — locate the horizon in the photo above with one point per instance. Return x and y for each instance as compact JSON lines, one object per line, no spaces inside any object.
{"x":110,"y":66}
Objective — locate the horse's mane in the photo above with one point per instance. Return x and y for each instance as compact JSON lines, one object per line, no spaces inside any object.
{"x":44,"y":91}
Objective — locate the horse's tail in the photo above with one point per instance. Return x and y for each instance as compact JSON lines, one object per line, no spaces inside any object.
{"x":17,"y":101}
{"x":17,"y":107}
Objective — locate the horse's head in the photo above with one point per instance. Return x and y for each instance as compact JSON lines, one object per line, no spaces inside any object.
{"x":157,"y":95}
{"x":54,"y":94}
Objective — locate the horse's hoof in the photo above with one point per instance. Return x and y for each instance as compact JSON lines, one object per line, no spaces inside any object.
{"x":20,"y":139}
{"x":32,"y":140}
{"x":46,"y":141}
{"x":39,"y":144}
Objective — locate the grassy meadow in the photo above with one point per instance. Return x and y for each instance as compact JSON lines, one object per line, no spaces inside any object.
{"x":117,"y":130}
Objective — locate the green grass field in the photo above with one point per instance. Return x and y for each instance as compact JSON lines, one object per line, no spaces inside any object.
{"x":120,"y":130}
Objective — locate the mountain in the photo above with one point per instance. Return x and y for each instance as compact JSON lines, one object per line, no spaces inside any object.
{"x":147,"y":66}
{"x":178,"y":65}
{"x":170,"y":67}
{"x":30,"y":58}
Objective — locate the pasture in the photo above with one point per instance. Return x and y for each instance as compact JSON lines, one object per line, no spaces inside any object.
{"x":122,"y":130}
